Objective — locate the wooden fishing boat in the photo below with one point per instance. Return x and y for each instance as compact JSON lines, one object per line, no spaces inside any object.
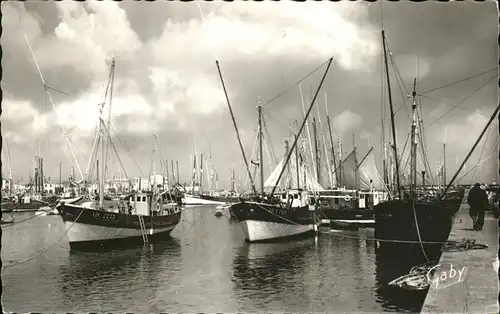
{"x":268,"y":218}
{"x":129,"y":221}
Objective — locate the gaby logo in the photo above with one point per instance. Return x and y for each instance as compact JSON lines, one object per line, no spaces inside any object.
{"x":445,"y":275}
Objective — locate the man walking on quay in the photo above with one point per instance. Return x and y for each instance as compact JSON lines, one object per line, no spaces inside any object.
{"x":478,"y":201}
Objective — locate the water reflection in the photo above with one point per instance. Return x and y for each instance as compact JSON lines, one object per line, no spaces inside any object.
{"x":265,"y":274}
{"x":89,"y":279}
{"x":394,"y":299}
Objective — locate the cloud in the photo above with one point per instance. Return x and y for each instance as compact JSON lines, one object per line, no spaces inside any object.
{"x":166,"y":80}
{"x":346,"y":121}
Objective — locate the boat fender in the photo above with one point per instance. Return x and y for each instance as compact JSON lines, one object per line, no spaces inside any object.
{"x":347,"y":198}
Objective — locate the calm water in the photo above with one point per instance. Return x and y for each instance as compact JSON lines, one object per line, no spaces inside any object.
{"x":206,"y":266}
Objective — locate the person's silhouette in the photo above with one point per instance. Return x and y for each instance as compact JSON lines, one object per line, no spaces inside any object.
{"x":477,"y":200}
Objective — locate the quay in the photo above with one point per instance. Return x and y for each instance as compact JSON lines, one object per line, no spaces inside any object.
{"x":477,"y":291}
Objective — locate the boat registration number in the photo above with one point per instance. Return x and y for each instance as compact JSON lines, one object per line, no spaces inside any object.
{"x":107,"y":216}
{"x":279,"y":212}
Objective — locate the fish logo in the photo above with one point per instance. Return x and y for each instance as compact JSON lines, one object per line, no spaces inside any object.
{"x":445,"y":275}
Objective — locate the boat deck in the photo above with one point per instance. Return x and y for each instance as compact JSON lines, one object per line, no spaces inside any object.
{"x":478,"y":290}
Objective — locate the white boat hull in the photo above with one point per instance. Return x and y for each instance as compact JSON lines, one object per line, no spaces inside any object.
{"x":265,"y":230}
{"x":80,"y":232}
{"x":189,"y":200}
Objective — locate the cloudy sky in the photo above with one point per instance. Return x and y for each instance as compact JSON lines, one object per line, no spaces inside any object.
{"x":166,"y":80}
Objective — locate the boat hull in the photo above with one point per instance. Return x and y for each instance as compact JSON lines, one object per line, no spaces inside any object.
{"x":396,"y":227}
{"x":263,"y":222}
{"x":98,"y":228}
{"x":348,"y":218}
{"x":207,"y":200}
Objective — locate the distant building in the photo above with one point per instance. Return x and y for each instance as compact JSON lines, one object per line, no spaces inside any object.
{"x":145,"y":184}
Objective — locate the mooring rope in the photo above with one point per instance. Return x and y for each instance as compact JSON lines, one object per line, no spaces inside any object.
{"x":49,"y":248}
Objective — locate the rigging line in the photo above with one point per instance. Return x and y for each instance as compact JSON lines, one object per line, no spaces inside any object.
{"x":444,"y":103}
{"x":49,"y":248}
{"x":400,"y":82}
{"x":127,"y":148}
{"x":63,"y":129}
{"x":288,"y":128}
{"x":475,"y":166}
{"x":424,"y":147}
{"x":463,"y":100}
{"x":460,"y":81}
{"x":482,"y":152}
{"x":116,"y":152}
{"x":402,"y":105}
{"x":268,"y":136}
{"x":65,"y":93}
{"x":296,"y":83}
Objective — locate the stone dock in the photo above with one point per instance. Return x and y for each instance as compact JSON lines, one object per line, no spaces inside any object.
{"x":477,"y":290}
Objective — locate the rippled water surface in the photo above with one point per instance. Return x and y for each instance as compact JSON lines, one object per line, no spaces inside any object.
{"x":206,"y":267}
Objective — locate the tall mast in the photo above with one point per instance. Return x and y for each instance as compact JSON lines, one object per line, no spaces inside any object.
{"x":261,"y":159}
{"x":177,"y":171}
{"x":413,"y":152}
{"x":307,"y":127}
{"x":302,"y":126}
{"x":333,"y":150}
{"x":444,"y":164}
{"x":392,"y":114}
{"x":297,"y":162}
{"x":103,"y":167}
{"x":232,"y":183}
{"x":236,"y":129}
{"x":341,"y":170}
{"x":201,"y":170}
{"x":316,"y":152}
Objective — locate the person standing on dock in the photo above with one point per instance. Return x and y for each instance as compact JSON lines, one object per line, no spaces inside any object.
{"x":477,"y":200}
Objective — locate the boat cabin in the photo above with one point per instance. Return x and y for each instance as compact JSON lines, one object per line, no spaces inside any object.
{"x":352,"y":198}
{"x":295,"y":198}
{"x":141,"y":203}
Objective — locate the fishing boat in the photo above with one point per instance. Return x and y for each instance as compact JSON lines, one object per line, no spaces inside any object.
{"x":28,"y":203}
{"x":414,"y":222}
{"x":351,"y":206}
{"x":142,"y":216}
{"x":205,"y":199}
{"x":267,"y":217}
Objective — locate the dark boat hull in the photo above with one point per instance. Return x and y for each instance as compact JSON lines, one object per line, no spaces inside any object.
{"x":90,"y":227}
{"x":264,"y":222}
{"x":33,"y":205}
{"x":396,"y":226}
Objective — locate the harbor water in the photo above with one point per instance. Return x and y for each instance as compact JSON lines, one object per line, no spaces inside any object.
{"x":205,"y":267}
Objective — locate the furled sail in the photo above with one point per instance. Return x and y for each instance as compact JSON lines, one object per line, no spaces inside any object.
{"x":289,"y":178}
{"x":350,"y":172}
{"x":369,"y":172}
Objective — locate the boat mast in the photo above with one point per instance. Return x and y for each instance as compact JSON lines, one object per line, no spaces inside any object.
{"x":392,"y":114}
{"x":236,"y":129}
{"x":261,"y":159}
{"x":444,"y":164}
{"x":333,"y":150}
{"x":103,"y":152}
{"x":307,"y":127}
{"x":302,"y":126}
{"x":470,"y":152}
{"x":201,"y":171}
{"x":413,"y":152}
{"x":316,"y":152}
{"x":341,"y":166}
{"x":297,"y":162}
